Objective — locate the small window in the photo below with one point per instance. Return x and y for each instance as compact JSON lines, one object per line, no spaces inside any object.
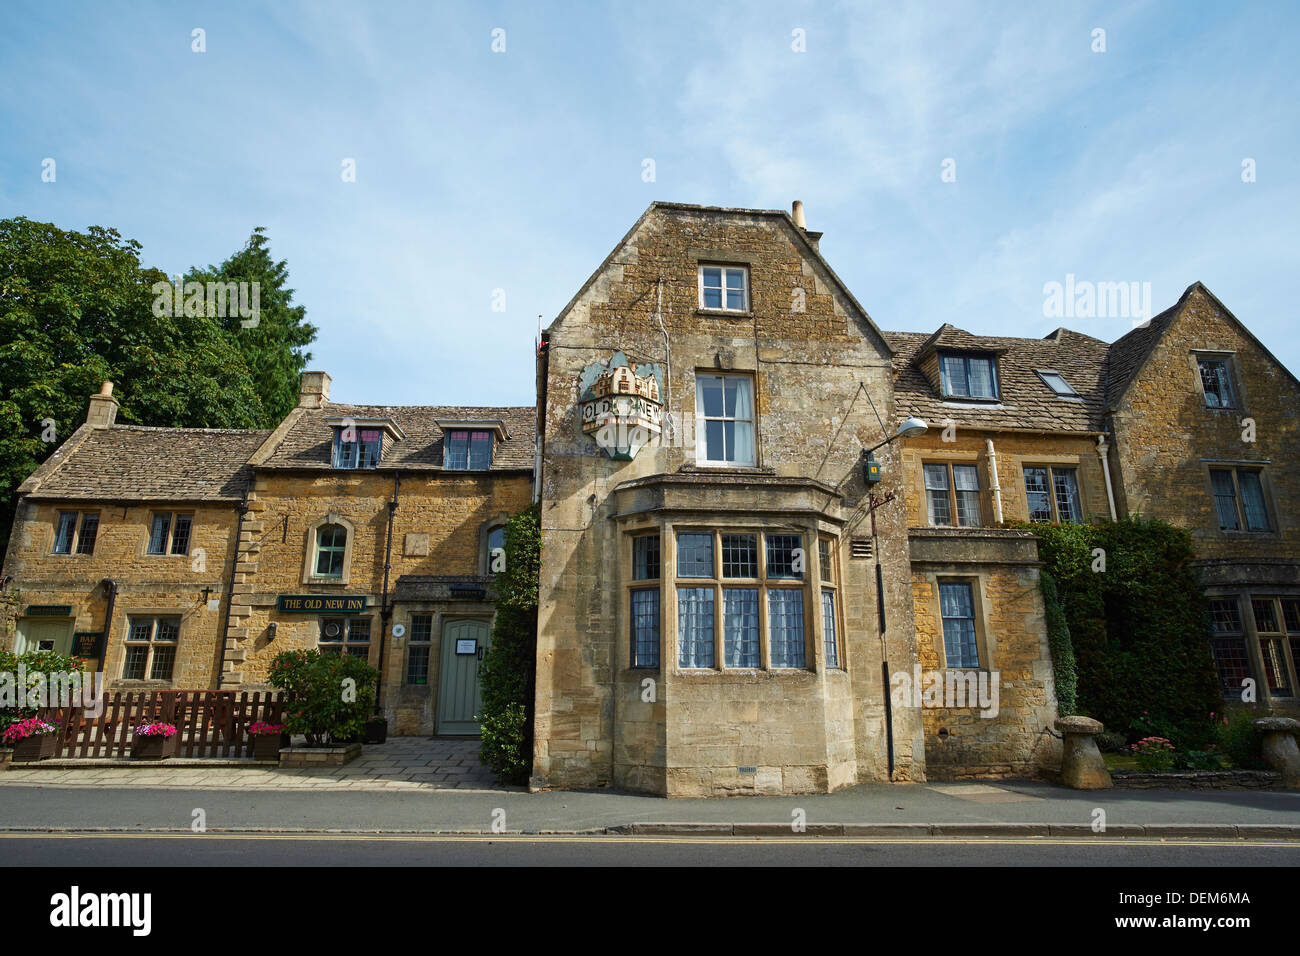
{"x":695,"y":555}
{"x":695,"y":627}
{"x":331,"y":548}
{"x":725,"y":288}
{"x":468,"y":450}
{"x":417,"y":652}
{"x":496,"y":550}
{"x":170,"y":533}
{"x":151,"y":648}
{"x":1229,"y":645}
{"x":1052,"y":494}
{"x":1057,"y":383}
{"x":957,"y":608}
{"x":68,"y":539}
{"x":968,"y":376}
{"x":1216,"y":382}
{"x":952,"y":489}
{"x":828,"y":628}
{"x":785,"y":557}
{"x":645,"y":627}
{"x":1239,"y":499}
{"x":724,"y":420}
{"x":740,"y":556}
{"x":358,"y":447}
{"x":645,"y":557}
{"x":345,"y":634}
{"x":785,"y":617}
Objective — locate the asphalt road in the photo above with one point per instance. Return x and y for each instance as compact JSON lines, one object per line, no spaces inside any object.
{"x":213,"y":850}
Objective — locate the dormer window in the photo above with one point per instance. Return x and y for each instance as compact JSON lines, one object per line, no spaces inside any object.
{"x":356,"y":447}
{"x":968,"y":376}
{"x":724,"y":288}
{"x":1057,"y":383}
{"x":468,"y":450}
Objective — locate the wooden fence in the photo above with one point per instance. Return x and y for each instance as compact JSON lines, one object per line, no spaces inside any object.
{"x":210,"y":723}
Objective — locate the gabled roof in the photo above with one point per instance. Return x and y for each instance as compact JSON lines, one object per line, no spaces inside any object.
{"x":805,"y":240}
{"x":1026,"y":401}
{"x":308,"y":441}
{"x":1130,"y":352}
{"x":139,"y":463}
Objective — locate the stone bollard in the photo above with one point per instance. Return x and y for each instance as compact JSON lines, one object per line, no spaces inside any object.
{"x":1081,"y":765}
{"x":1280,"y":747}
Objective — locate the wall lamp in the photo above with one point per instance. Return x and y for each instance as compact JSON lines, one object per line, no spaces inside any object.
{"x":271,"y":629}
{"x":909,"y":429}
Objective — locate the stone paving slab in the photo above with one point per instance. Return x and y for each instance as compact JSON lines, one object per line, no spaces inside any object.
{"x":401,"y":763}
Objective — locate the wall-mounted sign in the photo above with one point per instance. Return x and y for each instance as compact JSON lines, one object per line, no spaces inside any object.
{"x":86,"y":644}
{"x":321,"y":603}
{"x":49,"y":610}
{"x":467,"y":646}
{"x":620,"y":406}
{"x":466,"y":592}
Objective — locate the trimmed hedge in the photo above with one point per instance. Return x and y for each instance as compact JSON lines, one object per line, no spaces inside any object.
{"x":1138,"y":628}
{"x":1062,"y":648}
{"x":508,"y":672}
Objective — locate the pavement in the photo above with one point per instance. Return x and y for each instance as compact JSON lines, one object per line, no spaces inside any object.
{"x":413,"y":785}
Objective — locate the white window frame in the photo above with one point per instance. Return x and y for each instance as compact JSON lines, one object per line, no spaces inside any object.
{"x":744,"y":272}
{"x":701,"y":420}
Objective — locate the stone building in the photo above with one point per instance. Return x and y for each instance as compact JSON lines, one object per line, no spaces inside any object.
{"x":188,"y":558}
{"x":1206,"y":426}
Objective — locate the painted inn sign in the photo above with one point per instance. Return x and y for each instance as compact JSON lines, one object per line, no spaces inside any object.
{"x":620,"y":406}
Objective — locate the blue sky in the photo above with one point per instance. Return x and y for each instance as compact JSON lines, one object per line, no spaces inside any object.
{"x":478,"y":171}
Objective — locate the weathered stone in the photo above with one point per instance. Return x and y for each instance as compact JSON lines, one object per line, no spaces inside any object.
{"x":1279,"y":748}
{"x":1082,"y":766}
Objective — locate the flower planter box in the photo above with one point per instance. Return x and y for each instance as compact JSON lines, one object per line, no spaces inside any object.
{"x":267,"y":746}
{"x":154,"y":747}
{"x":35,"y":747}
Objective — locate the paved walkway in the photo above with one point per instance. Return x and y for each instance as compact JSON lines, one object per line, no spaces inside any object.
{"x":402,"y":763}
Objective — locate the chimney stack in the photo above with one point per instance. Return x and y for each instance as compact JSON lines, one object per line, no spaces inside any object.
{"x":103,"y":408}
{"x":796,"y":213}
{"x":314,"y":391}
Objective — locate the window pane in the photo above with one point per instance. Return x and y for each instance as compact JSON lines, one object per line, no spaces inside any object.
{"x":824,"y":557}
{"x":136,"y":656}
{"x":957,"y":607}
{"x":456,"y":454}
{"x":1225,"y":616}
{"x":1216,"y":383}
{"x":740,"y":626}
{"x":169,"y":629}
{"x":158,"y":534}
{"x":1291,"y":614}
{"x":332,"y":630}
{"x":645,"y":557}
{"x":1040,"y":508}
{"x":828,"y":629}
{"x":1225,"y":500}
{"x":967,"y":482}
{"x":1265,"y":616}
{"x":645,"y":627}
{"x":736,"y":279}
{"x":421,"y":628}
{"x":785,"y":624}
{"x":89,"y":529}
{"x":694,"y":555}
{"x":936,"y":494}
{"x":715,"y":448}
{"x":736,"y":299}
{"x":480,"y":451}
{"x":359,"y":630}
{"x":181,"y":536}
{"x":784,"y":556}
{"x":739,"y":556}
{"x":1230,"y":658}
{"x":63,"y":532}
{"x":711,"y":396}
{"x":741,"y":445}
{"x":953,"y":375}
{"x":712,"y":277}
{"x":981,"y":378}
{"x":1066,"y":485}
{"x":164,"y":659}
{"x":1274,"y":653}
{"x":1252,"y":501}
{"x":417,"y":664}
{"x":141,"y":629}
{"x":712,"y":298}
{"x":370,"y":449}
{"x":695,"y":627}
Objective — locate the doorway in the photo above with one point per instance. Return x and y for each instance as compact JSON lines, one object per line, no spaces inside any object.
{"x":464,"y":642}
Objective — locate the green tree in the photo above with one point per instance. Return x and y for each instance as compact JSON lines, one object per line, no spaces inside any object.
{"x":273,"y":344}
{"x":507,"y":676}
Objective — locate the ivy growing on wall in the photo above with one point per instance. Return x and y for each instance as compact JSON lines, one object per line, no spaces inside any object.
{"x":1136,"y":621}
{"x":506,"y":678}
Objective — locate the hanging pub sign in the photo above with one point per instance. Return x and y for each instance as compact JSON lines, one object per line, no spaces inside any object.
{"x":321,"y":603}
{"x":620,"y":405}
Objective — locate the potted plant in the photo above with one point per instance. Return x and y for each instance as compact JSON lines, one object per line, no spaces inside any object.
{"x":32,"y":739}
{"x":154,"y":741}
{"x":267,"y":740}
{"x":376,"y":729}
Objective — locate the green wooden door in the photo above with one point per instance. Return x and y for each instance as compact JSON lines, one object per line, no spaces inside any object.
{"x":464,"y":642}
{"x":45,"y":635}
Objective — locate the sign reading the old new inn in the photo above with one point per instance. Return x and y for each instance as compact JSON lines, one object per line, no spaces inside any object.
{"x":321,"y":603}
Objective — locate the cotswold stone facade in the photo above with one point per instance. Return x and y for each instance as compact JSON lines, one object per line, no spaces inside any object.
{"x":214,"y":550}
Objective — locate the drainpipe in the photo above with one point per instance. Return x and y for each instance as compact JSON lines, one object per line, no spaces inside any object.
{"x":386,"y":609}
{"x":110,"y":588}
{"x":1102,"y":450}
{"x":997,"y":488}
{"x":230,"y":588}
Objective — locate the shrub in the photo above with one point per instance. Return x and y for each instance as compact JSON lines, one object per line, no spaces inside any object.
{"x":327,"y":696}
{"x":1240,"y":739}
{"x":506,"y":678}
{"x":1058,"y":641}
{"x":35,"y":662}
{"x":1110,"y":743}
{"x":1154,"y":753}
